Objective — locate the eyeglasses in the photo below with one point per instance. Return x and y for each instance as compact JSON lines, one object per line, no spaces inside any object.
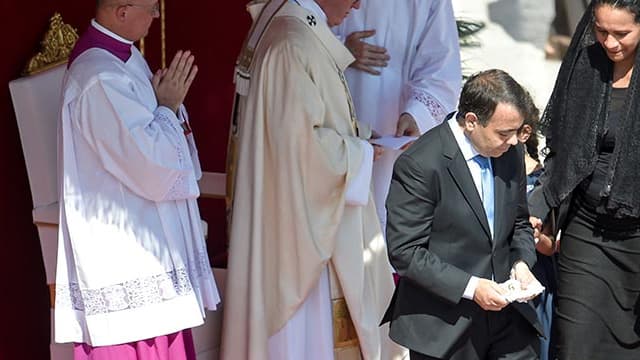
{"x":152,"y":9}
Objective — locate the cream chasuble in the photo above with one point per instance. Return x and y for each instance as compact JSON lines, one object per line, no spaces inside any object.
{"x":132,"y":261}
{"x":298,"y":147}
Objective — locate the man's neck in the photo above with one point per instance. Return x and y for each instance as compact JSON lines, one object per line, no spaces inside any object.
{"x":105,"y":29}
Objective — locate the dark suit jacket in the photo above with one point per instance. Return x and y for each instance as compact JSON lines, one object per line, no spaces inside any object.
{"x":438,"y":236}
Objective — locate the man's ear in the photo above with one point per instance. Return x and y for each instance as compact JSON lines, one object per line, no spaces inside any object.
{"x":524,"y":133}
{"x":470,"y":121}
{"x":121,"y":12}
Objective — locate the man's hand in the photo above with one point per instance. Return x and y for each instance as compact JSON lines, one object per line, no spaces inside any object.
{"x":522,"y":273}
{"x":536,"y":223}
{"x":407,"y":126}
{"x":367,"y":55}
{"x":488,"y":295}
{"x":172,"y":84}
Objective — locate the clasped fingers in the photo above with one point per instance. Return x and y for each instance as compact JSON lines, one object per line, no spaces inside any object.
{"x":172,"y":84}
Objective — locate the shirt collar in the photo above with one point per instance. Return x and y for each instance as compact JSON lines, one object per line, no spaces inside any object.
{"x":465,"y":145}
{"x":109,"y":33}
{"x":313,"y":6}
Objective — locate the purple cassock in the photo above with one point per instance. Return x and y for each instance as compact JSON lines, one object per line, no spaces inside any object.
{"x":94,"y":38}
{"x":176,"y":346}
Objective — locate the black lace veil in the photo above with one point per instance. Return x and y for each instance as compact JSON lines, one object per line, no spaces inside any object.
{"x":573,"y":123}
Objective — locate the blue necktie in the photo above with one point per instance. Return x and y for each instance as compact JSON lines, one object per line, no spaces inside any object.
{"x":487,"y":188}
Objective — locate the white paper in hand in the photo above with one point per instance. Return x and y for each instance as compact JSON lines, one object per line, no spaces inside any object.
{"x":516,"y":293}
{"x":393,"y":142}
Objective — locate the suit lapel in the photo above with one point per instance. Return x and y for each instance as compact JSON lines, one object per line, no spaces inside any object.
{"x":461,"y":175}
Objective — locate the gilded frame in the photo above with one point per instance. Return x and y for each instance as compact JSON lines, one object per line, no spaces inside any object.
{"x":61,"y":37}
{"x":163,"y":36}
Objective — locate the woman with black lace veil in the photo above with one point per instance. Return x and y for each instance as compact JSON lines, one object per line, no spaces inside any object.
{"x":592,"y":180}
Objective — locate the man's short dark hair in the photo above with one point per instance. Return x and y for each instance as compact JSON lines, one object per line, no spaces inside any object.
{"x":483,"y":91}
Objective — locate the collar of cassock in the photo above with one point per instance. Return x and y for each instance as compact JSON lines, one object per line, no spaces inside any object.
{"x":341,"y":55}
{"x":263,"y":12}
{"x":98,"y":36}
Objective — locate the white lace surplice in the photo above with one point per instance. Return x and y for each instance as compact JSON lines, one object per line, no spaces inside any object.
{"x":423,"y":77}
{"x":132,"y":260}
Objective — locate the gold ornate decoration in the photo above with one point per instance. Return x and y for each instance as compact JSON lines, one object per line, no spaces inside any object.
{"x":55,"y":47}
{"x":141,"y":46}
{"x":163,"y":38}
{"x":52,"y":295}
{"x":344,"y":332}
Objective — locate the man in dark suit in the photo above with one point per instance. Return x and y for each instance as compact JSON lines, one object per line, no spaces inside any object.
{"x":458,"y":226}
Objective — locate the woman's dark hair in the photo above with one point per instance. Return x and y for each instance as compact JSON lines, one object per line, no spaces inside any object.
{"x":633,"y":6}
{"x":531,"y":118}
{"x":576,"y":114}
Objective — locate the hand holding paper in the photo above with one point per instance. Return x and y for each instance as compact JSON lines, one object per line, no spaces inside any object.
{"x":515,"y":292}
{"x":522,"y":286}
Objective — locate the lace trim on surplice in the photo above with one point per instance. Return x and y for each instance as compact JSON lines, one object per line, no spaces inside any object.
{"x":180,"y":187}
{"x":134,"y":293}
{"x":436,"y":110}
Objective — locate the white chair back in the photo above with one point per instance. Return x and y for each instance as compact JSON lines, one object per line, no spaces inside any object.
{"x":36,"y":100}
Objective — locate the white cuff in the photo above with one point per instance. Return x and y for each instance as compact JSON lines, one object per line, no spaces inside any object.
{"x":169,"y":114}
{"x":470,"y":290}
{"x":422,"y":116}
{"x":182,"y":114}
{"x":425,"y":108}
{"x":358,"y":188}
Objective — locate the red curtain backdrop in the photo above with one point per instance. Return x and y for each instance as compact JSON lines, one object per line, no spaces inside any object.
{"x":214,"y":31}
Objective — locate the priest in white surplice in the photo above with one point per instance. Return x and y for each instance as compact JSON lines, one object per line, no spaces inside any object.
{"x":133,"y":274}
{"x":308,"y":276}
{"x":406,"y":76}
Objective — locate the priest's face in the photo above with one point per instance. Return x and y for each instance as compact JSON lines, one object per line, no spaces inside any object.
{"x":337,"y":10}
{"x":140,"y":15}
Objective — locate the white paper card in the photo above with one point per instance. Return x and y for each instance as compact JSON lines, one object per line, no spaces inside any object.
{"x":393,"y":142}
{"x":516,"y":293}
